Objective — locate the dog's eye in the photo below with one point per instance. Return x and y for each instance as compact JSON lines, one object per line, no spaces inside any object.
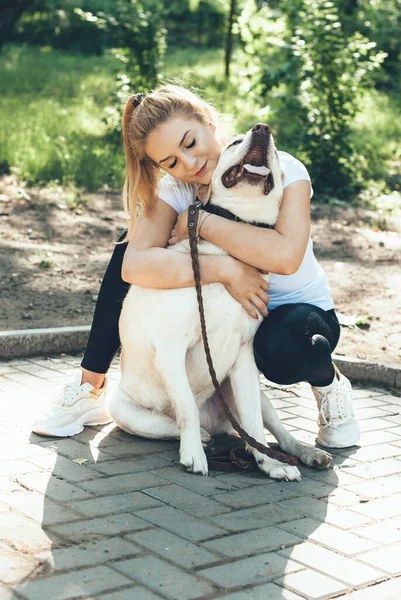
{"x":235,"y":142}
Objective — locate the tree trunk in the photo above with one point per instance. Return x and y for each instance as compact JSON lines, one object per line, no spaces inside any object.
{"x":229,"y":39}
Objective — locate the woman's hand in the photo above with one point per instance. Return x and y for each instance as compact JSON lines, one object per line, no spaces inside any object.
{"x":180,"y":231}
{"x":247,"y":286}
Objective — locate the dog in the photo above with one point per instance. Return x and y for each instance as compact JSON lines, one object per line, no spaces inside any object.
{"x":165,"y":389}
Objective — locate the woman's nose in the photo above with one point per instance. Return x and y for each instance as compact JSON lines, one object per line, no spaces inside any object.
{"x":188,"y":160}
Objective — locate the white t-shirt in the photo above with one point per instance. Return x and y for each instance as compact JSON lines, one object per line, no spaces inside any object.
{"x":308,"y":284}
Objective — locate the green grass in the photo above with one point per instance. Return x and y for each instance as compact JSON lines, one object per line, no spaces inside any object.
{"x":55,"y":104}
{"x":52,"y":114}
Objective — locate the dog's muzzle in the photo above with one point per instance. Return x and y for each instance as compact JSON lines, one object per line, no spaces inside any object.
{"x":254,"y":167}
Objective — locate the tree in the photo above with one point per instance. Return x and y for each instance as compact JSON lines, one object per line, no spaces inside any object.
{"x":11,"y":11}
{"x":229,"y":39}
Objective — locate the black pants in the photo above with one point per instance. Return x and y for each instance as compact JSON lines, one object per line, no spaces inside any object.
{"x":294,"y":343}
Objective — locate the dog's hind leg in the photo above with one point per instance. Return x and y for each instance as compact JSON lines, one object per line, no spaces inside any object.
{"x":138,"y":420}
{"x":171,"y":366}
{"x":309,"y":455}
{"x":244,"y":379}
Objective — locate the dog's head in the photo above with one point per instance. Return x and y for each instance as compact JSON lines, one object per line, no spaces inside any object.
{"x":247,"y":180}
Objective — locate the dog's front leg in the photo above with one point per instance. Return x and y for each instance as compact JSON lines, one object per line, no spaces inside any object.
{"x":309,"y":455}
{"x":244,"y":379}
{"x":171,"y":367}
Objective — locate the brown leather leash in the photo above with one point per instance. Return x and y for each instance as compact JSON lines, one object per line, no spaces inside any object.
{"x":193,"y":215}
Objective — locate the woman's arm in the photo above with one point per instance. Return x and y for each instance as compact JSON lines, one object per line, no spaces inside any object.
{"x":279,"y":250}
{"x":148,"y":263}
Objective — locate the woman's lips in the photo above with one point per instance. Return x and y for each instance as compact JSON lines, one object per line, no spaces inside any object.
{"x":201,"y":171}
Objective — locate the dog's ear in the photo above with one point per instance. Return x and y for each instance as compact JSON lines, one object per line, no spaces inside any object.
{"x":204,"y":193}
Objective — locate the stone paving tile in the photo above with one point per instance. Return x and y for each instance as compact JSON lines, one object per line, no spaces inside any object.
{"x":381,"y":468}
{"x":72,"y":449}
{"x":173,"y":548}
{"x":131,"y":514}
{"x":382,"y":532}
{"x":371,"y":453}
{"x":14,"y":567}
{"x":378,"y":437}
{"x":16,"y":467}
{"x":107,"y":505}
{"x":267,"y":591}
{"x":122,"y":483}
{"x":135,"y":464}
{"x":22,"y":534}
{"x":254,"y":570}
{"x":61,"y":587}
{"x":381,"y":508}
{"x":253,"y":518}
{"x":186,"y":500}
{"x":102,"y":526}
{"x":379,"y":488}
{"x":329,"y":536}
{"x":313,"y":585}
{"x":387,"y":559}
{"x":351,"y":572}
{"x":264,"y":539}
{"x":38,"y":507}
{"x":161,"y":576}
{"x":87,"y":554}
{"x":133,"y":593}
{"x":387,"y":590}
{"x":65,"y":468}
{"x":206,"y":486}
{"x":174,"y":520}
{"x":5,"y":592}
{"x":330,"y":513}
{"x":27,"y":450}
{"x":54,"y":488}
{"x":253,"y":497}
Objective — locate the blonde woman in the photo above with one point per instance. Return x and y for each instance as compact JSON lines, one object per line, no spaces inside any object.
{"x":175,"y":131}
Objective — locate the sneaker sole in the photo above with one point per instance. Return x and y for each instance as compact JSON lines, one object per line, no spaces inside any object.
{"x":76,"y":427}
{"x":339,"y":444}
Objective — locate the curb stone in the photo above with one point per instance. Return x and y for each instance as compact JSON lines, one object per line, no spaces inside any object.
{"x":41,"y":342}
{"x":56,"y":340}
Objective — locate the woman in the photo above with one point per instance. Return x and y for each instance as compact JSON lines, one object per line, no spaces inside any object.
{"x":173,"y":130}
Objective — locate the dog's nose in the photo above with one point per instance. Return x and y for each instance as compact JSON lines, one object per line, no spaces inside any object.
{"x":261,"y":129}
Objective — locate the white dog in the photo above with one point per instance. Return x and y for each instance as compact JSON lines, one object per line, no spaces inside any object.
{"x":165,"y":389}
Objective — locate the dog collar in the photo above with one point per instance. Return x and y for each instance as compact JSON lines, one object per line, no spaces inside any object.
{"x":222,"y":212}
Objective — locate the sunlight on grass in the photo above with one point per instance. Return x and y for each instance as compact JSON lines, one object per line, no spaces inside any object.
{"x":54,"y":104}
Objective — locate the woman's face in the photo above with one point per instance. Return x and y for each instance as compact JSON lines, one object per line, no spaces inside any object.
{"x":185,"y":148}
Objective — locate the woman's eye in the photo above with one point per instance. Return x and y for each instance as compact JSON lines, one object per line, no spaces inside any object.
{"x":173,"y":164}
{"x":192,"y":144}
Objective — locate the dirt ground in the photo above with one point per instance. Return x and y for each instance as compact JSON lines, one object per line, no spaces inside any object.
{"x":55,"y":247}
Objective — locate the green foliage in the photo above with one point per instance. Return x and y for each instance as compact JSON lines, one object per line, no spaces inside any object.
{"x":318,"y":73}
{"x":192,"y":23}
{"x":332,"y":72}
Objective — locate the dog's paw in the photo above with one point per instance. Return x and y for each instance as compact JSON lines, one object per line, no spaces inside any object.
{"x":277,"y":470}
{"x":205,"y":437}
{"x":314,"y":458}
{"x":193,"y":458}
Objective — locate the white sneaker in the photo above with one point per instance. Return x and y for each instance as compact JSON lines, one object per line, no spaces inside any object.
{"x":75,"y":406}
{"x":338,"y":427}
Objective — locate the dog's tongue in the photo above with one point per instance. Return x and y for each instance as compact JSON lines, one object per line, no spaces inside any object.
{"x":262,"y":171}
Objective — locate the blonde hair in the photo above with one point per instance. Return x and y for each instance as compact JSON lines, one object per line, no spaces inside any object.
{"x":142,"y":175}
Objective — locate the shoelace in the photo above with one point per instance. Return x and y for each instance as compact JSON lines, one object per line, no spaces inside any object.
{"x":342,"y":408}
{"x":67,"y":396}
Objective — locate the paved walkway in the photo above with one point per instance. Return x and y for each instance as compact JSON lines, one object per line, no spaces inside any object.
{"x":109,"y":516}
